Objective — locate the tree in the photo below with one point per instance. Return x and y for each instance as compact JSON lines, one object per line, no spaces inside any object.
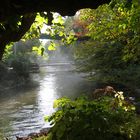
{"x":114,"y":52}
{"x":17,"y":16}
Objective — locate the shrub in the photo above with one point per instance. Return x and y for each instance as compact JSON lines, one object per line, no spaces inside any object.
{"x":105,"y":118}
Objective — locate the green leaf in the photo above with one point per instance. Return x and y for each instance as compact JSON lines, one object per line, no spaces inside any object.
{"x":61,"y":33}
{"x":52,"y":47}
{"x":34,"y":48}
{"x":46,"y":118}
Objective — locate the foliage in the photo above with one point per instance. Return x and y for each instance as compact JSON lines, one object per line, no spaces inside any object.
{"x":52,"y":46}
{"x":30,"y":49}
{"x":35,"y":29}
{"x":113,"y":52}
{"x":20,"y":47}
{"x":62,"y":28}
{"x":8,"y":51}
{"x":108,"y":118}
{"x":80,"y":26}
{"x":19,"y":56}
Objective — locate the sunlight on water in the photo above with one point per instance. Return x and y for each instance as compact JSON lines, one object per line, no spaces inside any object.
{"x":22,"y":111}
{"x":47,"y":95}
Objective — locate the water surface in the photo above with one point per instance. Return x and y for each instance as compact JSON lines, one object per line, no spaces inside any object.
{"x":22,"y":110}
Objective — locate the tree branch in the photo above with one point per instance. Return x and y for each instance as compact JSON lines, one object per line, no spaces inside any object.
{"x":11,"y":35}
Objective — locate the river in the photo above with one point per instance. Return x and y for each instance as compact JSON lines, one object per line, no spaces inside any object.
{"x":22,"y":110}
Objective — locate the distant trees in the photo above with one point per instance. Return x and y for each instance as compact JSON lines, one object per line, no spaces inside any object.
{"x":22,"y":49}
{"x":16,"y":66}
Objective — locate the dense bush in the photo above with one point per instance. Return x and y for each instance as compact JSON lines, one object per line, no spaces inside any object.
{"x":105,"y":118}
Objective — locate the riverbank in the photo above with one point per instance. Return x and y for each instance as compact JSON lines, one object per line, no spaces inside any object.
{"x":22,"y":111}
{"x":40,"y":135}
{"x":43,"y":132}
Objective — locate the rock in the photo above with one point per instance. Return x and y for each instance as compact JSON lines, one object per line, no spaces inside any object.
{"x":34,"y":135}
{"x":23,"y":138}
{"x":107,"y":91}
{"x":31,"y":136}
{"x":44,"y":131}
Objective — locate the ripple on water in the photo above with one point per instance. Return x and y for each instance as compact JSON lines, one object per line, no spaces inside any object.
{"x":22,"y":111}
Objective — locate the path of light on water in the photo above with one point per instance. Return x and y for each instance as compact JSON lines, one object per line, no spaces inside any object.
{"x":25,"y":112}
{"x":22,"y":111}
{"x":47,"y":95}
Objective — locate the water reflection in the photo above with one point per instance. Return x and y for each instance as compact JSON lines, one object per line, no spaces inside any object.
{"x":47,"y":94}
{"x":22,"y":111}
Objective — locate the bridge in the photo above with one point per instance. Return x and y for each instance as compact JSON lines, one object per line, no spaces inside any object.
{"x":56,"y":64}
{"x":57,"y":37}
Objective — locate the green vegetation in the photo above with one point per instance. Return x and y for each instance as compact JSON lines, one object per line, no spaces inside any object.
{"x":114,"y":49}
{"x":113,"y":53}
{"x":28,"y":50}
{"x":17,"y":17}
{"x":18,"y":58}
{"x":82,"y":119}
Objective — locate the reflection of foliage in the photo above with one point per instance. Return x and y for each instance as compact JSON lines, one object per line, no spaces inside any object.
{"x":107,"y":118}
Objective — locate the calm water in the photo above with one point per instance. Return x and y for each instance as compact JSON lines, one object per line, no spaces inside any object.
{"x":22,"y":110}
